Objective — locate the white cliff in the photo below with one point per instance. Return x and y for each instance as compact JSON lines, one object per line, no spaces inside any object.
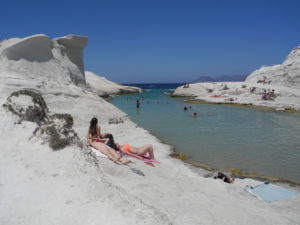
{"x":69,"y":51}
{"x":33,"y":48}
{"x":37,"y":54}
{"x":286,"y":74}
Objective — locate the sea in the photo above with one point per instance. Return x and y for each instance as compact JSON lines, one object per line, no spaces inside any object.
{"x":261,"y":142}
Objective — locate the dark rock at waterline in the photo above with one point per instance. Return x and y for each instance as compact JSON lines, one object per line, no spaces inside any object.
{"x":106,"y":97}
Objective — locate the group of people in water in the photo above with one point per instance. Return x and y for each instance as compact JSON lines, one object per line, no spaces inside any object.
{"x":106,"y":145}
{"x":194,"y":115}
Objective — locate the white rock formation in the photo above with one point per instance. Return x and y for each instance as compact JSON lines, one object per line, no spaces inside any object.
{"x":283,"y":78}
{"x":286,"y":74}
{"x":33,"y":48}
{"x":102,"y":86}
{"x":69,"y":50}
{"x":38,"y":55}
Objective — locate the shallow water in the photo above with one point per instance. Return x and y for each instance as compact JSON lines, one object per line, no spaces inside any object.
{"x":222,"y":136}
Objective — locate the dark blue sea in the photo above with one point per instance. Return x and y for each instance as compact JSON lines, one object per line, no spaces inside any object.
{"x":252,"y":140}
{"x":168,"y":86}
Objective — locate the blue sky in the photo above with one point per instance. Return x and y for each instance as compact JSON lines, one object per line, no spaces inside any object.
{"x":164,"y":41}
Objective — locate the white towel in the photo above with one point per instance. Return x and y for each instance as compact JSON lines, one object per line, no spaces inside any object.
{"x":98,"y":153}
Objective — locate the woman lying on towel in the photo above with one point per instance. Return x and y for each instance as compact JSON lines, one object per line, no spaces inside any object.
{"x":94,"y":140}
{"x":138,"y":153}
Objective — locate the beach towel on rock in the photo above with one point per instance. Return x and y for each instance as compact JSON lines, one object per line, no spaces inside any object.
{"x":270,"y":193}
{"x":98,"y":153}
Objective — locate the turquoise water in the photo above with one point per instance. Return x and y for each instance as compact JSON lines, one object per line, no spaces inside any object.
{"x":222,"y":136}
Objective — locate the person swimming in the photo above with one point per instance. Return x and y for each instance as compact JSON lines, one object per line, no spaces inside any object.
{"x":94,"y":139}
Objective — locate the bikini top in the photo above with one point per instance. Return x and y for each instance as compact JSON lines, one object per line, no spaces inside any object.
{"x":127,"y":147}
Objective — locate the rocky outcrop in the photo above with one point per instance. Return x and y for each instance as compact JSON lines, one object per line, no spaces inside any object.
{"x":60,"y":59}
{"x":69,"y":51}
{"x":28,"y":105}
{"x":103,"y":87}
{"x":73,"y":46}
{"x":275,"y":86}
{"x":286,"y":74}
{"x":56,"y":129}
{"x":32,"y":48}
{"x":58,"y":78}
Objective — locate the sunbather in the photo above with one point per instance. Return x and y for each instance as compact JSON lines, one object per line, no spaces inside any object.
{"x":94,"y":140}
{"x":137,"y":152}
{"x":103,"y":136}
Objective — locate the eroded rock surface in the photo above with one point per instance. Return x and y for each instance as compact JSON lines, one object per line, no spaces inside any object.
{"x":103,"y":87}
{"x":28,"y":105}
{"x":286,"y":74}
{"x":61,"y":58}
{"x":56,"y":129}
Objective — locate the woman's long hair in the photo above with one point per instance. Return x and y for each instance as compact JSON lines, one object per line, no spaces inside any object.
{"x":93,"y":126}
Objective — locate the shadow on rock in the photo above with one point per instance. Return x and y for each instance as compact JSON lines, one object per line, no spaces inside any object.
{"x":137,"y":171}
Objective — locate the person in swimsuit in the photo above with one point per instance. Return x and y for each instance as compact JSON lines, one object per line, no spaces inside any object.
{"x":94,"y":140}
{"x":137,"y":152}
{"x":138,"y":103}
{"x":104,"y":136}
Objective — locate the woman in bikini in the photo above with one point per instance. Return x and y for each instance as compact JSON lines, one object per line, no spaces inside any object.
{"x":137,"y":152}
{"x":94,"y":140}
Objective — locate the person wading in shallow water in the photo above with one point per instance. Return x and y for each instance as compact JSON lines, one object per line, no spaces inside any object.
{"x":138,"y":103}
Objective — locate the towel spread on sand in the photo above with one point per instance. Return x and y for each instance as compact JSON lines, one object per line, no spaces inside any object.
{"x":98,"y":153}
{"x":270,"y":193}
